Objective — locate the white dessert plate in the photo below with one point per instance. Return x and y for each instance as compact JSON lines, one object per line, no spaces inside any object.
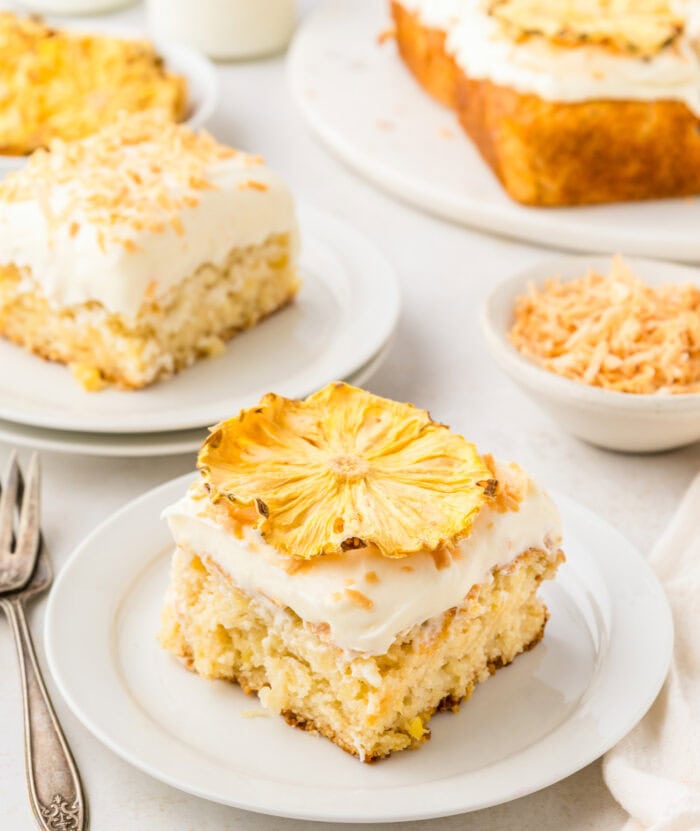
{"x":627,"y":422}
{"x":602,"y":662}
{"x":345,"y":312}
{"x":395,"y":135}
{"x":132,"y":445}
{"x":202,"y":80}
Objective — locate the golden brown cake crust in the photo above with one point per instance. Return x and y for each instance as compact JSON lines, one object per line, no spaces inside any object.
{"x":423,"y":51}
{"x":549,"y":153}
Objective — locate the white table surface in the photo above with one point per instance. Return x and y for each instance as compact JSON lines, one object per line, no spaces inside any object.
{"x":437,"y":361}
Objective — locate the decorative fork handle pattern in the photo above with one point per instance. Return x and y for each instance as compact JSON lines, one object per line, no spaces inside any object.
{"x":55,"y":791}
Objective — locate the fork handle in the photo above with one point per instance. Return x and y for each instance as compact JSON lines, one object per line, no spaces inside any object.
{"x":55,"y":791}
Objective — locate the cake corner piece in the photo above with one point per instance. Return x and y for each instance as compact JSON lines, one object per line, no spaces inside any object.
{"x":356,"y":565}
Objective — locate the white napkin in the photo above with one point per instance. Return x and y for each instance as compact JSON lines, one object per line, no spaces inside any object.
{"x":654,"y":772}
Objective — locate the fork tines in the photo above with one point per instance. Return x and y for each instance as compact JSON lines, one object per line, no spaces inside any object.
{"x":19,"y":540}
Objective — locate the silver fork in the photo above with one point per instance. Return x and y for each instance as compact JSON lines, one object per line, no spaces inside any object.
{"x":55,"y":791}
{"x":18,"y":551}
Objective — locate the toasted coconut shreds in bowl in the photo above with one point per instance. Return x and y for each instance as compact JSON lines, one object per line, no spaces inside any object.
{"x":611,"y":353}
{"x":613,"y":331}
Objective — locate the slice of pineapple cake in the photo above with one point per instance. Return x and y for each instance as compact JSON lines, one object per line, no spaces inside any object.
{"x":131,"y":253}
{"x":356,"y":564}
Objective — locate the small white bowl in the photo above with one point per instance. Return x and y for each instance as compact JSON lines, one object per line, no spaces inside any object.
{"x":202,"y":80}
{"x":621,"y":421}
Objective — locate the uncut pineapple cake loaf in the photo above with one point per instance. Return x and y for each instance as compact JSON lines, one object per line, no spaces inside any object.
{"x":131,"y":253}
{"x":356,"y":565}
{"x":569,"y":102}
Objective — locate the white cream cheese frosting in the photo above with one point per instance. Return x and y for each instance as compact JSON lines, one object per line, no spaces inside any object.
{"x":76,"y":269}
{"x":558,"y":73}
{"x":367,"y":600}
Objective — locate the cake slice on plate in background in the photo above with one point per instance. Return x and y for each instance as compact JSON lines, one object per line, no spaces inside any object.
{"x":66,"y":84}
{"x":131,"y":253}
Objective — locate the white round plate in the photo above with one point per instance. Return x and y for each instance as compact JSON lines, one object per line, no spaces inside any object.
{"x":601,"y":664}
{"x":346,"y":310}
{"x":202,"y":80}
{"x":132,"y":445}
{"x":129,"y":445}
{"x":398,"y":137}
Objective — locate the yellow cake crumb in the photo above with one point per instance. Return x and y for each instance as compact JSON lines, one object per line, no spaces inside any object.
{"x":90,"y":377}
{"x":416,"y":728}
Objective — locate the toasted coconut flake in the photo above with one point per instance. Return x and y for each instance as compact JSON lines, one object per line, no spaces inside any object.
{"x":441,"y":558}
{"x":136,"y":175}
{"x":251,"y":184}
{"x":638,"y":27}
{"x":359,"y":599}
{"x":613,"y":331}
{"x":507,"y":493}
{"x":385,"y":35}
{"x":344,"y":470}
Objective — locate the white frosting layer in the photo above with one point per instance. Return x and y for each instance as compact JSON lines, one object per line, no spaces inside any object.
{"x":73,"y":270}
{"x":564,"y":74}
{"x":400,"y":598}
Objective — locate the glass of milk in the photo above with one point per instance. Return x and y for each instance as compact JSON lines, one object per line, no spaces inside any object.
{"x":225,"y":29}
{"x":74,"y":6}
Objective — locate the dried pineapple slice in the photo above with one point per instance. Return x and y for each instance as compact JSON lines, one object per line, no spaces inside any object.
{"x":345,"y":469}
{"x":638,"y":27}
